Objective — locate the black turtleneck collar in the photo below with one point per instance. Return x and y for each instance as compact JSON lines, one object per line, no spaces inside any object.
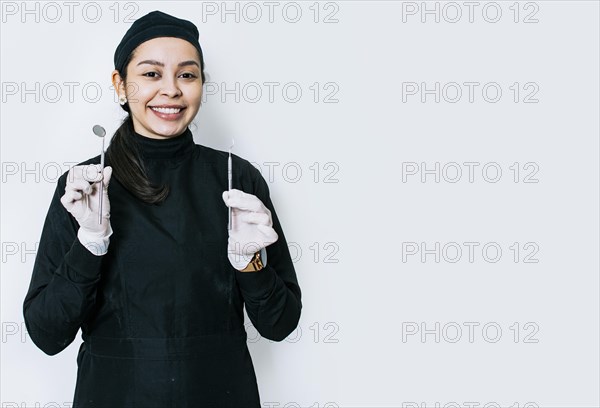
{"x":175,"y":147}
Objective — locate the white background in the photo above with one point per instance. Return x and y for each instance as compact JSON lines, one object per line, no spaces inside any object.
{"x":363,"y":290}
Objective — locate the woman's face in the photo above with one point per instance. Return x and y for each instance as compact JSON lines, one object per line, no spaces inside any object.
{"x":164,"y":87}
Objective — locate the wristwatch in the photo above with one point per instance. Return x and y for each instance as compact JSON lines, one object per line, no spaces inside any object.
{"x":254,"y":265}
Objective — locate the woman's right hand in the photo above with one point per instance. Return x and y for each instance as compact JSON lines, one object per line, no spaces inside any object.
{"x":81,"y":200}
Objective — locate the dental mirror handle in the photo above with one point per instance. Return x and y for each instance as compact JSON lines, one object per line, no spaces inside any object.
{"x":100,"y":132}
{"x":101,"y":182}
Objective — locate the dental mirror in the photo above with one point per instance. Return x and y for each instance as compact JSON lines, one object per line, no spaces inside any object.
{"x":100,"y":132}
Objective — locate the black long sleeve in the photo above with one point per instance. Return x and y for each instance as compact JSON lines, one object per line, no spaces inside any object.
{"x":161,"y":312}
{"x":64,"y":280}
{"x":272,"y":295}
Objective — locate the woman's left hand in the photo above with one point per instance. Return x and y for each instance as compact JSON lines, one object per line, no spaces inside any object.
{"x":251,"y":229}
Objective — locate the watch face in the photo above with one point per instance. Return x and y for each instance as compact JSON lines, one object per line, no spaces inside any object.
{"x":255,"y":264}
{"x":258,"y":259}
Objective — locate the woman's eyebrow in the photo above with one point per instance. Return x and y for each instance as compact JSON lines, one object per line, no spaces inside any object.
{"x":160,"y":64}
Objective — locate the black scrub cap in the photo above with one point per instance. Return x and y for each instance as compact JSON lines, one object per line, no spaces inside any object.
{"x":152,"y":25}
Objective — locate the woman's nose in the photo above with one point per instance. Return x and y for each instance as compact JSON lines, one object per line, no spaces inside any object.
{"x":169,"y":87}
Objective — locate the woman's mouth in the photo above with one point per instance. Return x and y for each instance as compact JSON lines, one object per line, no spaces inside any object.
{"x":170,"y":113}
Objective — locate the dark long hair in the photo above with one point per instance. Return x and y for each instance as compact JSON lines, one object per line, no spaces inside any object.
{"x":125,"y":159}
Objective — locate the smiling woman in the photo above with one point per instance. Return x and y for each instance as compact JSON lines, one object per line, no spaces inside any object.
{"x":158,"y":64}
{"x":160,"y":298}
{"x":167,"y":86}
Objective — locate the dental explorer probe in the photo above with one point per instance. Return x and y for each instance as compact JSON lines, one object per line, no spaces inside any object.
{"x":229,"y":172}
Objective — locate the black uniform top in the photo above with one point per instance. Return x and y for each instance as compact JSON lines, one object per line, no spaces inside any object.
{"x":161,"y":312}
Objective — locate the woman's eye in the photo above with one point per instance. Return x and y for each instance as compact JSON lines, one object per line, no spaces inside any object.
{"x":189,"y":75}
{"x":151,"y":74}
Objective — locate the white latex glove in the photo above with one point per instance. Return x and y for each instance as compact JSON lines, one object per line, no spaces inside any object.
{"x":251,"y":229}
{"x":81,"y":200}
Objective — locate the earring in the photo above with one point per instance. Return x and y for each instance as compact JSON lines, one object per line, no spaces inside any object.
{"x":122,"y":100}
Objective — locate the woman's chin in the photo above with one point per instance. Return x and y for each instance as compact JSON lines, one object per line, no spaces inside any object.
{"x":168,"y":129}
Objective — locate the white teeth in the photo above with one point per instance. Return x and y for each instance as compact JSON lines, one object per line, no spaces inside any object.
{"x":166,"y":110}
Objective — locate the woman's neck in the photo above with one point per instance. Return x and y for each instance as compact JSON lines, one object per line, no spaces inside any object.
{"x":170,"y":148}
